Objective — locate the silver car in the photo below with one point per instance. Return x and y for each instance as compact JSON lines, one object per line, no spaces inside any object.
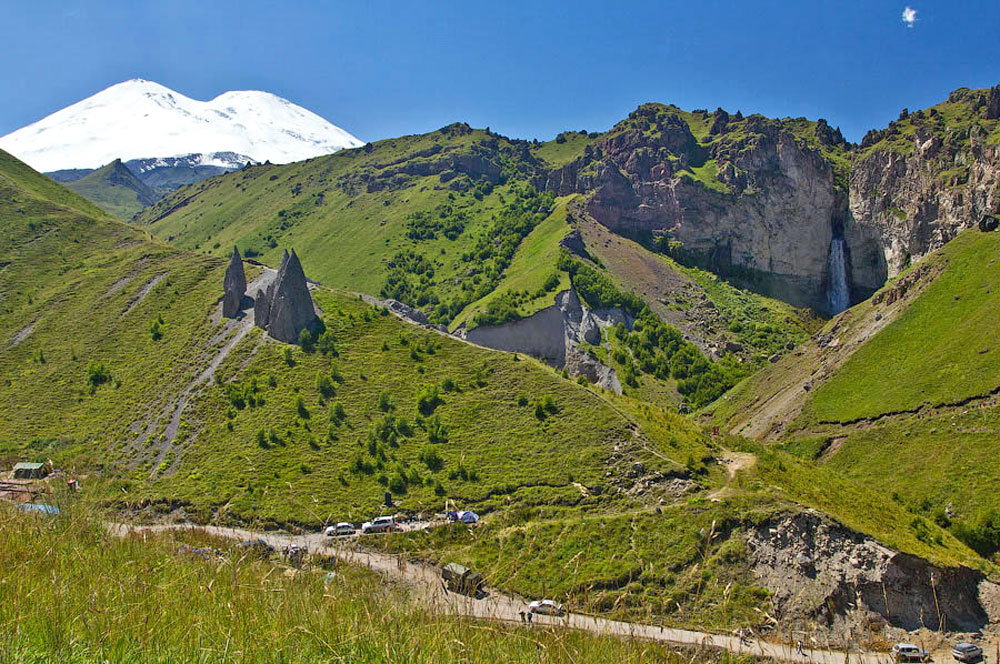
{"x":967,"y":652}
{"x":546,"y":607}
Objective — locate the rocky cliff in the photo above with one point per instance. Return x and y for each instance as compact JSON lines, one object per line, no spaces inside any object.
{"x":553,"y":335}
{"x":756,"y":200}
{"x":787,"y":207}
{"x":818,"y":570}
{"x":234,"y":285}
{"x":929,"y":175}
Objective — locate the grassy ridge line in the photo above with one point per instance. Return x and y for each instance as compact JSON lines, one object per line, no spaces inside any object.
{"x":39,"y":187}
{"x":94,"y":598}
{"x":324,"y":208}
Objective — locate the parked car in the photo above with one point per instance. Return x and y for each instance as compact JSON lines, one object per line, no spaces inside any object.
{"x":907,"y":652}
{"x":258,"y":546}
{"x":967,"y":652}
{"x":340,"y":530}
{"x":547,"y":607}
{"x":382,"y":524}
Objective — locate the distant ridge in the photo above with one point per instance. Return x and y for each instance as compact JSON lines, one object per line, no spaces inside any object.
{"x":116,"y":189}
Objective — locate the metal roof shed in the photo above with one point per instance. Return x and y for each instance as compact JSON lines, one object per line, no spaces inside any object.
{"x":28,"y":471}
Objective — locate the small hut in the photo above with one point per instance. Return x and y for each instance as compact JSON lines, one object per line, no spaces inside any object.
{"x":30,"y":471}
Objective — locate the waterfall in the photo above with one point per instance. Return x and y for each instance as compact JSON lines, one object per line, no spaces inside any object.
{"x":839,"y":294}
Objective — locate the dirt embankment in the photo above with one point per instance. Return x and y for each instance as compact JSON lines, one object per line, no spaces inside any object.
{"x":554,"y":335}
{"x":818,"y":571}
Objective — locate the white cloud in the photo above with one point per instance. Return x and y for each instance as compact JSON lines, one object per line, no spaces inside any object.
{"x":909,"y":16}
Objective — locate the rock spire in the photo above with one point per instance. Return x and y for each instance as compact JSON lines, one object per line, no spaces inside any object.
{"x":235,"y":286}
{"x":286,"y":308}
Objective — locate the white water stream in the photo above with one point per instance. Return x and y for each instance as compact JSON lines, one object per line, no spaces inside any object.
{"x":840,"y":293}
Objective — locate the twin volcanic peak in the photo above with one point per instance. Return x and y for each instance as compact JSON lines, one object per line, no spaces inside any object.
{"x":140,"y":119}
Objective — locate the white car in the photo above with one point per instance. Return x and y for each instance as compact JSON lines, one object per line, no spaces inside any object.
{"x":967,"y":652}
{"x":342,"y":529}
{"x":546,"y":607}
{"x":382,"y":524}
{"x":907,"y":652}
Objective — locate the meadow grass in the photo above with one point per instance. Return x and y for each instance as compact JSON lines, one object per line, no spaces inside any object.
{"x":71,"y":593}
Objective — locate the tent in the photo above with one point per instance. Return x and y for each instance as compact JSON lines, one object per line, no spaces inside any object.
{"x":468,"y":517}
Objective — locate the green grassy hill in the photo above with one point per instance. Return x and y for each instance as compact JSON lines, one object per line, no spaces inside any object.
{"x":271,"y":418}
{"x":902,"y":391}
{"x":116,"y":189}
{"x":106,"y":333}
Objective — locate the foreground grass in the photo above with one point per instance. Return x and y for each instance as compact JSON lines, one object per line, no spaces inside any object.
{"x":71,"y":593}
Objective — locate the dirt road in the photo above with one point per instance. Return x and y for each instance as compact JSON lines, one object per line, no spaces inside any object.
{"x":426,"y":580}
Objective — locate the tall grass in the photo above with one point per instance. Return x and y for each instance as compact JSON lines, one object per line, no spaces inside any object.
{"x":71,"y":593}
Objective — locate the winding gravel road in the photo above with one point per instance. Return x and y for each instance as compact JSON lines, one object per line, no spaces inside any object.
{"x":426,"y":580}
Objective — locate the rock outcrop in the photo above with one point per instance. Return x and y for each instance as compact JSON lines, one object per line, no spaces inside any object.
{"x":765,"y":203}
{"x":234,"y":285}
{"x":914,"y":192}
{"x":553,"y":335}
{"x":287,"y":307}
{"x":759,"y":205}
{"x":819,"y":570}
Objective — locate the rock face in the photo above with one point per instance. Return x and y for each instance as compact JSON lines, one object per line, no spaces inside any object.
{"x":820,"y":570}
{"x":787,"y":207}
{"x":553,"y":335}
{"x":919,"y":192}
{"x":759,"y":205}
{"x":286,"y":308}
{"x":235,"y":286}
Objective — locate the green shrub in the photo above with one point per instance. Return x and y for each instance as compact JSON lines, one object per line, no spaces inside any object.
{"x":97,"y":375}
{"x":306,"y":341}
{"x":431,"y":458}
{"x":437,"y":432}
{"x":326,"y":343}
{"x":427,"y":400}
{"x":324,"y":385}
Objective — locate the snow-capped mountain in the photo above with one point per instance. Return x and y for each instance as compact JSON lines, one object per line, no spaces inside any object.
{"x":141,"y":119}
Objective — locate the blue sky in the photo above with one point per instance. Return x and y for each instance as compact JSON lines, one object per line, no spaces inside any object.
{"x":526,"y":69}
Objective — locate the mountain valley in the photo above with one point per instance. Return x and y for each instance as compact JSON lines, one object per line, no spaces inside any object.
{"x":702,"y":370}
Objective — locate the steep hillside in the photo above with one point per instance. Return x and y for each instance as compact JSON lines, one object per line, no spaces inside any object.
{"x":900,"y":392}
{"x":926,"y":339}
{"x":117,"y":367}
{"x":928,"y":175}
{"x":339,"y":424}
{"x":116,"y":189}
{"x":447,"y":222}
